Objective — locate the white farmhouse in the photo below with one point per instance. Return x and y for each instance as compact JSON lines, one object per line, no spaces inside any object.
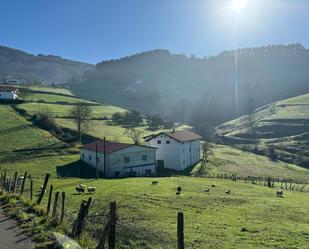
{"x":8,"y":93}
{"x":176,"y":149}
{"x":122,"y":159}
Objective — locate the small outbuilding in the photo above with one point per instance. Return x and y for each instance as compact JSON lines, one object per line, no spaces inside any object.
{"x":8,"y":93}
{"x":175,"y":149}
{"x":120,"y":159}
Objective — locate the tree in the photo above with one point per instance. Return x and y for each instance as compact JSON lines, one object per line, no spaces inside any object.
{"x":154,"y":122}
{"x":134,"y":134}
{"x":250,"y":114}
{"x":24,"y":93}
{"x":81,"y":115}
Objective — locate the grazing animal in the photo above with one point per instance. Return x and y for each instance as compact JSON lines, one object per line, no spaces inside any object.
{"x":80,"y":189}
{"x":178,"y":189}
{"x":279,"y":193}
{"x":206,"y":190}
{"x":228,"y":191}
{"x":178,"y":193}
{"x":155,"y":182}
{"x":213,"y":185}
{"x":91,"y":189}
{"x":82,"y":186}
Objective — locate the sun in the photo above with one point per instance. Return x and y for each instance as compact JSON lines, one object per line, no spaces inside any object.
{"x":238,"y":5}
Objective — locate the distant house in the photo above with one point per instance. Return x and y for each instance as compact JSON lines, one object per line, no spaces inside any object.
{"x":122,"y":159}
{"x":8,"y":93}
{"x":175,"y":149}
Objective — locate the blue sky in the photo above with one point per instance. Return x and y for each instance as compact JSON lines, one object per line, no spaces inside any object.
{"x":96,"y":30}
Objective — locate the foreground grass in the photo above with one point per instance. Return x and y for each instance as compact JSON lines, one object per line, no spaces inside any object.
{"x":147,"y":213}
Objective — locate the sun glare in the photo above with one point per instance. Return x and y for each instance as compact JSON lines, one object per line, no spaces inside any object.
{"x":238,"y":5}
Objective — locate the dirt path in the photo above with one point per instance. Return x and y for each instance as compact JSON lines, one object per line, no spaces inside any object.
{"x":11,"y":236}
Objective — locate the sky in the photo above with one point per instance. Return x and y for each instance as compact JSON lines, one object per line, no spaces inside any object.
{"x":96,"y":30}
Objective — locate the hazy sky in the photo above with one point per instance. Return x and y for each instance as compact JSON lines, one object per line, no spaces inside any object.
{"x":96,"y":30}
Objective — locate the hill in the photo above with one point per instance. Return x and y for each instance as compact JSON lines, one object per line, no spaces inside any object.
{"x":48,"y":68}
{"x":280,"y":128}
{"x":199,"y":90}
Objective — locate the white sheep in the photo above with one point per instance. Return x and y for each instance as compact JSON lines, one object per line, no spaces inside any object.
{"x":82,"y":186}
{"x":91,"y":189}
{"x":206,"y":190}
{"x":80,"y":189}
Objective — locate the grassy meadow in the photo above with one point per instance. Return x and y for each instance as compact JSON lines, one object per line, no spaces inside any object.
{"x":250,"y":217}
{"x":147,"y":213}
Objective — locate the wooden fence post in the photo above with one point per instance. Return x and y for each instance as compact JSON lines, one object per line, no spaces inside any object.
{"x":49,"y":199}
{"x":31,"y":189}
{"x":180,"y":232}
{"x":55,"y":204}
{"x":14,"y":182}
{"x":83,"y":212}
{"x":62,"y":206}
{"x":104,"y":233}
{"x":112,"y":230}
{"x":23,"y":184}
{"x":43,"y":189}
{"x":4,"y":179}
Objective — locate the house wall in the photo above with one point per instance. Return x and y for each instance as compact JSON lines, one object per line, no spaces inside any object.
{"x":119,"y":166}
{"x":7,"y":95}
{"x":176,"y":155}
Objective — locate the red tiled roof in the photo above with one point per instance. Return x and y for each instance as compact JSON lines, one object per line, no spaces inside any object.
{"x":181,"y":136}
{"x":110,"y":146}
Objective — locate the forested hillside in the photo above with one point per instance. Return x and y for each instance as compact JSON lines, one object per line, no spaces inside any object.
{"x":197,"y":90}
{"x":18,"y":64}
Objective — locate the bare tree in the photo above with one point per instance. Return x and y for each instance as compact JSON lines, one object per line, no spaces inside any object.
{"x":134,"y":134}
{"x":81,"y":115}
{"x":206,"y":151}
{"x":24,"y":93}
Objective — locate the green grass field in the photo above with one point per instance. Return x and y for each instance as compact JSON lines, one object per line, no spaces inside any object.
{"x":147,"y":214}
{"x":283,"y":125}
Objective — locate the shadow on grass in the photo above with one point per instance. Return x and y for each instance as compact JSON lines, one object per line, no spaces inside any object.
{"x":77,"y":169}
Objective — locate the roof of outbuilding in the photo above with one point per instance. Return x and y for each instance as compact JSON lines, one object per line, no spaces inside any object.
{"x":8,"y":88}
{"x":180,"y":136}
{"x":109,"y":146}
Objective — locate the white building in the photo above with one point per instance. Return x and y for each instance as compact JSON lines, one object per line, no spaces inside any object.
{"x":176,"y":149}
{"x":8,"y":93}
{"x":122,"y":160}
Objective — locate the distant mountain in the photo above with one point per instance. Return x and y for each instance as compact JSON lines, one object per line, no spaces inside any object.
{"x":17,"y":64}
{"x":199,"y":90}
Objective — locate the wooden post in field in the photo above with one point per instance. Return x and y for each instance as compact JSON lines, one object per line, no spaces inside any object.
{"x":14,"y":182}
{"x":43,"y":189}
{"x":83,"y":212}
{"x":31,"y":190}
{"x":112,"y":222}
{"x":96,"y":161}
{"x":103,"y":236}
{"x":4,"y":180}
{"x":23,"y":184}
{"x":180,"y":230}
{"x":105,"y":159}
{"x":55,"y":205}
{"x":62,"y":206}
{"x":49,"y":199}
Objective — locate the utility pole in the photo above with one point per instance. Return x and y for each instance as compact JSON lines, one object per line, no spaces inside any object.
{"x":96,"y":161}
{"x":105,"y":166}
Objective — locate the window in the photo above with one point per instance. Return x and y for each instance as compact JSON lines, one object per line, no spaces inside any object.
{"x":83,"y":155}
{"x":90,"y":158}
{"x":159,"y":141}
{"x":148,"y":172}
{"x":127,"y":159}
{"x":168,"y":141}
{"x":144,"y":157}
